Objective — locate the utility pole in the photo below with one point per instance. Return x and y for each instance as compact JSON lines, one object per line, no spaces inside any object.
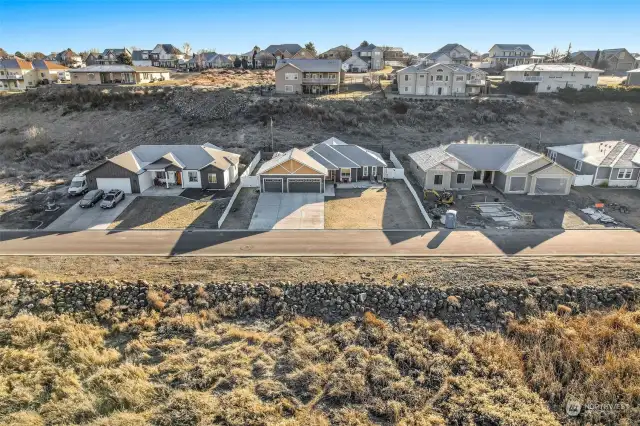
{"x":272,"y":145}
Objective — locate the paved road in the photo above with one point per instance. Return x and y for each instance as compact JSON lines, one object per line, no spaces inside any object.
{"x":324,"y":243}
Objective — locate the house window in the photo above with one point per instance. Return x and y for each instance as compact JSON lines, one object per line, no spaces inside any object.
{"x":1,"y":72}
{"x":291,"y":76}
{"x":553,"y":155}
{"x":586,"y":75}
{"x":438,"y":78}
{"x":365,"y":171}
{"x":345,"y":173}
{"x":213,"y":178}
{"x":41,"y":74}
{"x":374,"y":171}
{"x":459,"y":77}
{"x":288,"y":88}
{"x":421,"y":75}
{"x":446,"y":78}
{"x":439,"y":70}
{"x":431,"y":78}
{"x":193,"y":176}
{"x":461,"y":178}
{"x":625,"y":174}
{"x":437,"y":180}
{"x":406,"y":89}
{"x":578,"y":165}
{"x":477,"y":175}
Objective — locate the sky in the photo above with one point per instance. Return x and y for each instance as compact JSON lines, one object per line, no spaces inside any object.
{"x":236,"y":26}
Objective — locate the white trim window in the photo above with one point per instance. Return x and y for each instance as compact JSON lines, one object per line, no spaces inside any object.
{"x":374,"y":171}
{"x":578,"y":165}
{"x":461,"y":178}
{"x":291,"y":76}
{"x":192,"y":176}
{"x":365,"y":171}
{"x":625,"y":174}
{"x":213,"y":178}
{"x":459,"y":77}
{"x":288,"y":88}
{"x":438,"y":179}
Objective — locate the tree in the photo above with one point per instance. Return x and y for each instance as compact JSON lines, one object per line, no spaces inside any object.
{"x":596,"y":58}
{"x":364,"y":43}
{"x":602,"y":64}
{"x":237,"y":63}
{"x":19,"y":55}
{"x":554,"y":55}
{"x":186,"y":48}
{"x":38,"y":55}
{"x":3,"y":53}
{"x":409,"y":60}
{"x":124,"y":59}
{"x":311,"y":48}
{"x":567,"y":56}
{"x":212,"y":50}
{"x":245,"y":64}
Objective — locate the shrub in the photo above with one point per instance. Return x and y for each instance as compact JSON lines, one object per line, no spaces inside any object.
{"x":599,"y":94}
{"x":103,"y":307}
{"x":155,"y":300}
{"x":18,"y":272}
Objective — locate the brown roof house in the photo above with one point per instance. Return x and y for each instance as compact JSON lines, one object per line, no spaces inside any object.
{"x":170,"y":166}
{"x":308,"y":76}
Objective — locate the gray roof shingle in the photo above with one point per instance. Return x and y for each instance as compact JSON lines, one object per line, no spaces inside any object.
{"x":515,"y":46}
{"x":292,"y":48}
{"x":335,"y":154}
{"x":317,"y":65}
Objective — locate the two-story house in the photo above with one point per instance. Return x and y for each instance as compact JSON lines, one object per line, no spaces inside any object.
{"x":371,"y":54}
{"x":284,"y":51}
{"x":308,"y":76}
{"x":49,"y":71}
{"x":69,"y":58}
{"x":165,"y":56}
{"x":617,"y":60}
{"x":512,"y":54}
{"x":551,"y":77}
{"x":340,"y":52}
{"x":17,"y":74}
{"x":141,"y":58}
{"x":441,"y":80}
{"x":452,"y":53}
{"x":392,"y":55}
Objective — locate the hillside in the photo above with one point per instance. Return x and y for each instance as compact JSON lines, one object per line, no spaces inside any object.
{"x":52,"y":133}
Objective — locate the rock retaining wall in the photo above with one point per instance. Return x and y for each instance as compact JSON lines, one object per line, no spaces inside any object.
{"x":469,"y":306}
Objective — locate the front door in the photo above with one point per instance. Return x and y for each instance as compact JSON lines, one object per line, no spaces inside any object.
{"x":487,"y":177}
{"x":439,"y":90}
{"x":179,"y":178}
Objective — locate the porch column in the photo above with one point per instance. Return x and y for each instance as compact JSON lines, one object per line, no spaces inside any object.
{"x":166,"y":178}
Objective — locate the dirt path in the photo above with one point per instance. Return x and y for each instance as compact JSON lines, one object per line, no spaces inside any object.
{"x":574,"y":271}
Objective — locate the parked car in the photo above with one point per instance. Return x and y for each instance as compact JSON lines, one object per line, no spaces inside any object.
{"x":78,"y":184}
{"x":91,"y":198}
{"x":112,"y":198}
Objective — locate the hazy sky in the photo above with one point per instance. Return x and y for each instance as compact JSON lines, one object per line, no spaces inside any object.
{"x":236,"y":26}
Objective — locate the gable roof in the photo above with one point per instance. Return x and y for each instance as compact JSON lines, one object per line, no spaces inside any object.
{"x":591,"y":54}
{"x":41,"y":64}
{"x":502,"y":157}
{"x":16,"y":63}
{"x":190,"y":157}
{"x":116,"y":52}
{"x":602,"y":154}
{"x":335,"y":154}
{"x":514,"y":47}
{"x":318,"y":65}
{"x":456,"y":68}
{"x":169,"y":49}
{"x":446,"y":49}
{"x":291,"y":48}
{"x":293,"y":154}
{"x":354,"y":59}
{"x":368,"y":48}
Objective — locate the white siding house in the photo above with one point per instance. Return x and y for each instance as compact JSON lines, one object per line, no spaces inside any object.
{"x":441,"y":80}
{"x":551,"y":77}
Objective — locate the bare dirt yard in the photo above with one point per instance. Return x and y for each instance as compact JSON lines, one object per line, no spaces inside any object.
{"x":221,"y":78}
{"x":239,"y":216}
{"x":170,"y":213}
{"x":373,"y":208}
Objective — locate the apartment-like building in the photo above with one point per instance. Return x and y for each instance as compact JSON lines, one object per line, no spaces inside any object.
{"x":441,"y":80}
{"x":513,"y":54}
{"x":17,"y":74}
{"x":308,"y":76}
{"x":371,"y":54}
{"x":551,"y":77}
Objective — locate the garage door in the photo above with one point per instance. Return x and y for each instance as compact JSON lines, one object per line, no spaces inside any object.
{"x":551,"y":186}
{"x":583,"y":180}
{"x":272,"y":185}
{"x":114,"y":183}
{"x":305,"y":185}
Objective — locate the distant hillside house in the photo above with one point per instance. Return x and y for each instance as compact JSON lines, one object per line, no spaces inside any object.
{"x":512,"y":54}
{"x":355,"y":64}
{"x":49,"y":71}
{"x":452,"y":53}
{"x":308,"y":76}
{"x":141,"y":58}
{"x":339,"y":52}
{"x":633,"y":77}
{"x":441,"y":80}
{"x":117,"y":74}
{"x":70,"y":58}
{"x":371,"y":54}
{"x":610,"y":163}
{"x":551,"y":77}
{"x":166,"y":55}
{"x":283,"y":51}
{"x":618,"y":60}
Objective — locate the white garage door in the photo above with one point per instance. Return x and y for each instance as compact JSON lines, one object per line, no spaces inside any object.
{"x":583,"y":180}
{"x":114,"y":183}
{"x":551,"y":186}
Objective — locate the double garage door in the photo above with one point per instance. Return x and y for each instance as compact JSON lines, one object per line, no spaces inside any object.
{"x":292,"y":185}
{"x":107,"y":184}
{"x":551,"y":185}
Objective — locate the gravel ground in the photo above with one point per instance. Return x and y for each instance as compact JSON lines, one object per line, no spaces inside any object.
{"x":242,"y":210}
{"x":393,"y":208}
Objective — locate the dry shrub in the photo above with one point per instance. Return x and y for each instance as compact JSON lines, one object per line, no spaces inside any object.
{"x":186,"y":407}
{"x":126,"y":387}
{"x":370,"y":320}
{"x":453,"y":301}
{"x":275,"y":292}
{"x":18,"y":272}
{"x":23,"y":418}
{"x":156,"y":300}
{"x":103,"y":307}
{"x":122,"y":419}
{"x":563,"y":310}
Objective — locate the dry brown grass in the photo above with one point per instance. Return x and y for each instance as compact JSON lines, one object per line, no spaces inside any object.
{"x":17,"y":272}
{"x":166,"y":213}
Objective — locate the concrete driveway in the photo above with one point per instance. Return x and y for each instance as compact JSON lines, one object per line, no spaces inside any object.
{"x":288,"y":211}
{"x":79,"y":219}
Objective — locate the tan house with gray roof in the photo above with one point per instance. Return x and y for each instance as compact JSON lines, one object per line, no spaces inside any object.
{"x":308,"y":76}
